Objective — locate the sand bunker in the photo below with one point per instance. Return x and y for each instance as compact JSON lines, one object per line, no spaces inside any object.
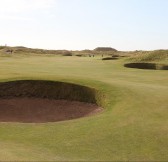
{"x":152,"y":66}
{"x":46,"y":101}
{"x":110,"y":58}
{"x":31,"y":110}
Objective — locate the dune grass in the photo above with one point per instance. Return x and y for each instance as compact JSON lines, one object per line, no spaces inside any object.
{"x":133,"y":126}
{"x":150,"y":56}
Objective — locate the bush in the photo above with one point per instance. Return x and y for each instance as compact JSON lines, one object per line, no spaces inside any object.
{"x":79,"y":55}
{"x":67,"y":53}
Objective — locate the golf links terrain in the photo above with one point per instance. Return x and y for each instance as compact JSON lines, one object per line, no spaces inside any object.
{"x":131,"y":126}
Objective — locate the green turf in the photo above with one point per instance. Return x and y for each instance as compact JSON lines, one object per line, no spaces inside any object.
{"x":133,"y":126}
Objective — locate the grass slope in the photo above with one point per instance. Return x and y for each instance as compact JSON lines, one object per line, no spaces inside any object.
{"x":151,"y":56}
{"x":133,"y":126}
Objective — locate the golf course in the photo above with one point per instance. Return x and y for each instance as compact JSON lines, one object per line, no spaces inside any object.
{"x":132,"y":121}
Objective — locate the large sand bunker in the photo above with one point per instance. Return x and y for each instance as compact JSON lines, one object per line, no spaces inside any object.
{"x":46,"y":101}
{"x":43,"y":110}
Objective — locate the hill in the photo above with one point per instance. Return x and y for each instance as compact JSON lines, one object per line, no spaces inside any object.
{"x":25,"y":50}
{"x":102,"y":49}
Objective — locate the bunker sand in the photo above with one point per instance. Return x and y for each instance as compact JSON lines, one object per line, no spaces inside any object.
{"x":37,"y":110}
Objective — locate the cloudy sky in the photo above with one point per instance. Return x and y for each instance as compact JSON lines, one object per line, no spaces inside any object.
{"x":85,"y":24}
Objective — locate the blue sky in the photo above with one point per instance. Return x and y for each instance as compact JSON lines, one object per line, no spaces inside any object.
{"x":85,"y":24}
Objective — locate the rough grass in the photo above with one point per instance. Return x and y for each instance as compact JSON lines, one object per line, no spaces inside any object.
{"x":25,"y":50}
{"x":133,"y":126}
{"x":151,"y":56}
{"x":157,"y":60}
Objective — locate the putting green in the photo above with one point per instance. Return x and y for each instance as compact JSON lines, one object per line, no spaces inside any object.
{"x":132,"y":127}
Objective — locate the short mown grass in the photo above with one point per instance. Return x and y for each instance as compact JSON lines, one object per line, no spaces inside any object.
{"x":132,"y":127}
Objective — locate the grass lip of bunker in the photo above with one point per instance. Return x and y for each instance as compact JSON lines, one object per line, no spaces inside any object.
{"x":37,"y":101}
{"x":152,"y":66}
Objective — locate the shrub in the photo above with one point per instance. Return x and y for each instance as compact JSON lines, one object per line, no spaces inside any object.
{"x":67,"y":53}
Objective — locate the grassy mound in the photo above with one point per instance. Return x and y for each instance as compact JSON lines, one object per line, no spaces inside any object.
{"x":25,"y":50}
{"x":150,"y":56}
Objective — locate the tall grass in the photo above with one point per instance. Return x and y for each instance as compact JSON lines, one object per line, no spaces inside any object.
{"x":150,"y":56}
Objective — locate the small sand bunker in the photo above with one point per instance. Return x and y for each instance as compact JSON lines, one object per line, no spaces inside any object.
{"x":152,"y":66}
{"x":31,"y":110}
{"x":110,"y":58}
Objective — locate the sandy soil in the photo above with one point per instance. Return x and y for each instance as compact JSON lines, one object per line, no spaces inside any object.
{"x":36,"y":110}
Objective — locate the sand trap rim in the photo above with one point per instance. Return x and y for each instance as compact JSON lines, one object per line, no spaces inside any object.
{"x":51,"y":90}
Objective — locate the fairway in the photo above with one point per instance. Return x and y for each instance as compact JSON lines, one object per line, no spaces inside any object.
{"x":131,"y":127}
